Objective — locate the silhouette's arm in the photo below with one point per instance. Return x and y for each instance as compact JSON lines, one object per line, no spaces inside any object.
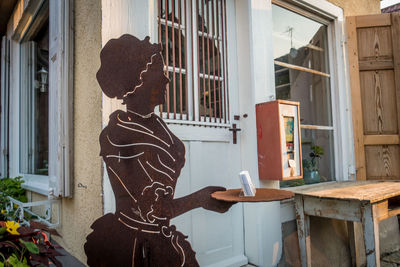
{"x":199,"y":199}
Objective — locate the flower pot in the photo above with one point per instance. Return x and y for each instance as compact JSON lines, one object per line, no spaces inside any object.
{"x":311,"y":177}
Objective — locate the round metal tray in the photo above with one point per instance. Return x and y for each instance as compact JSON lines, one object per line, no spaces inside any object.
{"x":262,"y":195}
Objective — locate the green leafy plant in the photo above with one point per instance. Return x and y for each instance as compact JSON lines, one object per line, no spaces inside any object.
{"x":22,"y":246}
{"x":315,"y":155}
{"x":10,"y":187}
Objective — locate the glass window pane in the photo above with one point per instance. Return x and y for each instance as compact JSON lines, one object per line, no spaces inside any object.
{"x":311,"y":90}
{"x":323,"y":139}
{"x":180,"y":88}
{"x":176,"y":36}
{"x":210,"y":98}
{"x":302,"y":75}
{"x":34,"y":104}
{"x":299,"y":40}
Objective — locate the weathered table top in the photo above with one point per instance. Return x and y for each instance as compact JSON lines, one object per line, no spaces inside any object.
{"x":370,"y":191}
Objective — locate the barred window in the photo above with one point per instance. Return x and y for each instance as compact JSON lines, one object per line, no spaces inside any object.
{"x":193,"y":35}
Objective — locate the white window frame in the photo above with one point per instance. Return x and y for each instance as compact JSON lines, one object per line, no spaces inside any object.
{"x":332,"y":16}
{"x":58,"y":183}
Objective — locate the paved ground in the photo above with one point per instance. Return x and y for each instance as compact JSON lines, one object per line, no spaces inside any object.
{"x":391,"y":260}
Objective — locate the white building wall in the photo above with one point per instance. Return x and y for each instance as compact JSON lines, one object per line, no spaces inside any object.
{"x":263,"y":244}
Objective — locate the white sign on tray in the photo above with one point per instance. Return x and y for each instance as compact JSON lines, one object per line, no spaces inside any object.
{"x":248,"y":189}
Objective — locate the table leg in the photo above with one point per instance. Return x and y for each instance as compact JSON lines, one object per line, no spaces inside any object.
{"x":352,"y":242}
{"x":303,"y":232}
{"x":371,"y":235}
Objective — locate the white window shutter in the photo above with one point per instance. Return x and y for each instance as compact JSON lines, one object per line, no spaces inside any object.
{"x":5,"y":79}
{"x":60,"y":98}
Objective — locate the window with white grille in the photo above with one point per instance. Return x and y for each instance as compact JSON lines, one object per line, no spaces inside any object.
{"x":194,"y":39}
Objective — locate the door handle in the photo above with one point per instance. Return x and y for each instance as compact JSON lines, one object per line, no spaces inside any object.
{"x":234,"y":131}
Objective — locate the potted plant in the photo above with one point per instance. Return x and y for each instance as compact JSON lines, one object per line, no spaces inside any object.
{"x":24,"y":246}
{"x":310,"y":167}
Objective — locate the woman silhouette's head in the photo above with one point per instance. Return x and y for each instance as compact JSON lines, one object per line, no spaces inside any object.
{"x":127,"y":64}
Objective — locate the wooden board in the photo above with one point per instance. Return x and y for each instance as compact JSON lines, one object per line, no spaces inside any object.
{"x":374,"y":56}
{"x":370,"y":191}
{"x":373,"y":20}
{"x":262,"y":195}
{"x":382,"y":162}
{"x":356,"y":98}
{"x":378,"y":102}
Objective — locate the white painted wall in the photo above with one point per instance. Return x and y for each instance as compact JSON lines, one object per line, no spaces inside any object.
{"x":256,"y":85}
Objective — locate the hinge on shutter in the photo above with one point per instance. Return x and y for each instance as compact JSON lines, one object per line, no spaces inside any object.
{"x":352,"y":172}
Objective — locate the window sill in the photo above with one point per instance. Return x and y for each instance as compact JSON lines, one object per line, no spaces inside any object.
{"x":38,"y":184}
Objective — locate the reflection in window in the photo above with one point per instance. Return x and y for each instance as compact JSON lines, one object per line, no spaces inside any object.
{"x":302,"y":74}
{"x":34,"y":105}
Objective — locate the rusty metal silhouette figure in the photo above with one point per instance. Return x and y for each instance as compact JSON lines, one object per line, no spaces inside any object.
{"x":143,"y":160}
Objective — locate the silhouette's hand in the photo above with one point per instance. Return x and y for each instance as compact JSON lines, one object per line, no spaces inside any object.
{"x":209,"y":203}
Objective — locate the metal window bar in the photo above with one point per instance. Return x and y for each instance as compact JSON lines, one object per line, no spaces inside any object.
{"x":180,"y":59}
{"x":213,"y":60}
{"x":191,"y":46}
{"x":218,"y":63}
{"x":185,"y":56}
{"x":160,"y":37}
{"x":203,"y":60}
{"x":208,"y":63}
{"x":208,"y":23}
{"x":166,"y":52}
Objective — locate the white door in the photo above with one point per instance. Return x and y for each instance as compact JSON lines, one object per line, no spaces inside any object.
{"x":211,"y":157}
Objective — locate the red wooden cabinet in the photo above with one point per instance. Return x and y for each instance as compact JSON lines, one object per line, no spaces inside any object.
{"x":278,"y":140}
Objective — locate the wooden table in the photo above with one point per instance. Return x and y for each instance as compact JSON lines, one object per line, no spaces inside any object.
{"x":367,"y":202}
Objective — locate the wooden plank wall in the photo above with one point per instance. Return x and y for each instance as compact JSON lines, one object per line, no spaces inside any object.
{"x":374,"y":59}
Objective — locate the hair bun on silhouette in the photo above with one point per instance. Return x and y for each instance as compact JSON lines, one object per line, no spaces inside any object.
{"x":122,"y":60}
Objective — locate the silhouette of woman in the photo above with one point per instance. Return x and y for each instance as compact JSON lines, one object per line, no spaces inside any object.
{"x":143,"y":160}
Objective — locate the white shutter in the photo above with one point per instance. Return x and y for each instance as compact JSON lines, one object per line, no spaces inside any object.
{"x":60,"y":98}
{"x":5,"y":80}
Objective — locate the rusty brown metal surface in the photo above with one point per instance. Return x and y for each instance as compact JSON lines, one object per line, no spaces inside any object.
{"x":262,"y":195}
{"x":234,"y":131}
{"x":143,"y":160}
